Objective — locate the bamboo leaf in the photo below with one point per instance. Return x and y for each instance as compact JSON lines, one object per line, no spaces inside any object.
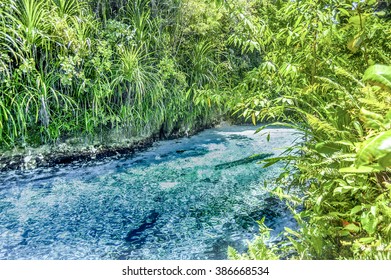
{"x":298,"y":21}
{"x":290,"y":231}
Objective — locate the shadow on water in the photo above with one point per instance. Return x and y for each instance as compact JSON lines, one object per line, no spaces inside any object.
{"x":241,"y":161}
{"x":134,"y":236}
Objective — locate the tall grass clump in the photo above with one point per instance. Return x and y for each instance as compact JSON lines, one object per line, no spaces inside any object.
{"x":84,"y":67}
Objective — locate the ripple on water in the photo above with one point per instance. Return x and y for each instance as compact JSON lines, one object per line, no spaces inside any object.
{"x":168,"y":202}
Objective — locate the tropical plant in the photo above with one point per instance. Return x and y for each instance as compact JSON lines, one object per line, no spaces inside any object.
{"x":339,"y":175}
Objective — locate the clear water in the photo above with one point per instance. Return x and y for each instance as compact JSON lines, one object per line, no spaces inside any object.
{"x":168,"y":202}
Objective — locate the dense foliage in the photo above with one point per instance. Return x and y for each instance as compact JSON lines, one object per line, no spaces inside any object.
{"x":81,"y":67}
{"x":337,"y":181}
{"x":146,"y":66}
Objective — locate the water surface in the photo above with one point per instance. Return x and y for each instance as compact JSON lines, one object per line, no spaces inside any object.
{"x":189,"y":198}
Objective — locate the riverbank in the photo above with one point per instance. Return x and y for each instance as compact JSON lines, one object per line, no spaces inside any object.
{"x":76,"y":149}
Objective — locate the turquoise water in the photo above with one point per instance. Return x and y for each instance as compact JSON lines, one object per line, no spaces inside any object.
{"x":188,"y":198}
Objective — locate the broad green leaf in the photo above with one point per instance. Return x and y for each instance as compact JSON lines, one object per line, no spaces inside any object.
{"x":367,"y":240}
{"x":385,"y":161}
{"x":354,"y":20}
{"x":381,"y":13}
{"x":379,"y":75}
{"x":377,"y":148}
{"x":355,"y":43}
{"x":329,"y":147}
{"x":352,"y":228}
{"x":344,"y":11}
{"x":361,"y":169}
{"x":342,"y":190}
{"x":369,"y":223}
{"x":356,"y":209}
{"x":373,"y":210}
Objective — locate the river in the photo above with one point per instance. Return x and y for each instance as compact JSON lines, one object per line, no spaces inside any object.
{"x":188,"y":198}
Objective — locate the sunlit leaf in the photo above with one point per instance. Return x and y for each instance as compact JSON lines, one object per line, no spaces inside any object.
{"x":376,"y":148}
{"x":379,"y":75}
{"x":367,"y":240}
{"x":356,"y":209}
{"x":352,"y":228}
{"x":361,"y":169}
{"x":371,"y":119}
{"x":329,"y":147}
{"x":355,"y":43}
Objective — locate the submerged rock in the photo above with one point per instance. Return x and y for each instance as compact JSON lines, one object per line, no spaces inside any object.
{"x":148,"y":222}
{"x":242,"y":161}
